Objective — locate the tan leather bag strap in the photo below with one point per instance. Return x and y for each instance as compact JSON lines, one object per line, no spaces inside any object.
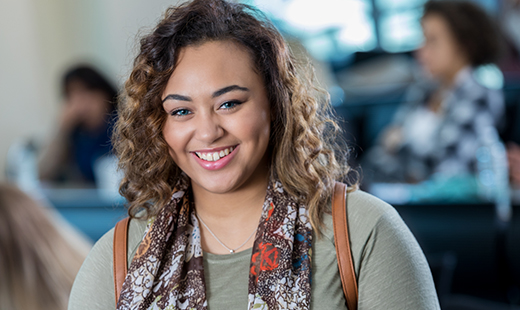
{"x":120,"y":250}
{"x":342,"y":242}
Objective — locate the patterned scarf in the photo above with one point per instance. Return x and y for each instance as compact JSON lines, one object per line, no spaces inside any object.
{"x":167,"y":270}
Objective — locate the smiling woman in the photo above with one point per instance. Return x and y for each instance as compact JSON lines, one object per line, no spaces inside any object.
{"x":223,"y":136}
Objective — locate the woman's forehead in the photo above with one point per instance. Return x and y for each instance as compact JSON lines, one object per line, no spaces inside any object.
{"x":213,"y":65}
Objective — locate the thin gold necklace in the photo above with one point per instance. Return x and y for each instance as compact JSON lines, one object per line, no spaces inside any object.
{"x":218,"y":240}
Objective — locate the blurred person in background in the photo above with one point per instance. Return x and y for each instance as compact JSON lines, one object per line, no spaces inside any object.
{"x":84,"y":129}
{"x":38,"y":262}
{"x":511,"y":25}
{"x":440,"y":127}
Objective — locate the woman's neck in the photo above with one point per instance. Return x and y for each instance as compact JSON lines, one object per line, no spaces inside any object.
{"x":449,"y":79}
{"x":231,"y":216}
{"x":240,"y":201}
{"x":246,"y":198}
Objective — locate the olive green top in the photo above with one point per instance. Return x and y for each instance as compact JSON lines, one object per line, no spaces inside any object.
{"x":390,"y":266}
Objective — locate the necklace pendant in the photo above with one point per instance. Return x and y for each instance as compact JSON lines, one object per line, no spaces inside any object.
{"x":231,"y":251}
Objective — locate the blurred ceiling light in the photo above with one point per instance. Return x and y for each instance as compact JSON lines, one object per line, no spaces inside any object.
{"x":361,"y":37}
{"x":399,"y":4}
{"x":310,"y":17}
{"x":401,"y":32}
{"x":331,"y":29}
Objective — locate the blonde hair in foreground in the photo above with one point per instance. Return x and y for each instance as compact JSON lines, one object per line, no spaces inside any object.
{"x":303,"y":150}
{"x":37,"y":264}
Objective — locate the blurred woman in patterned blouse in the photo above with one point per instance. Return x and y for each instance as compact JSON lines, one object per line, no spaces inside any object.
{"x":443,"y":122}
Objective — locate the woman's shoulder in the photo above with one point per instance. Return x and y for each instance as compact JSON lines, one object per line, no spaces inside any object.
{"x":390,"y":266}
{"x":95,"y":277}
{"x":367,"y":207}
{"x":364,"y":213}
{"x":368,"y":216}
{"x":372,"y":222}
{"x":102,"y":251}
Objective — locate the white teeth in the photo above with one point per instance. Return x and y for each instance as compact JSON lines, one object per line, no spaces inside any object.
{"x":216,"y":155}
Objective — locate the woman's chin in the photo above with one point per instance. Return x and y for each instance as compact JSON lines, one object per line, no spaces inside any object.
{"x":216,"y":186}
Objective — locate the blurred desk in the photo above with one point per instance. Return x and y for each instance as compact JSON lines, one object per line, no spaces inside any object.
{"x":487,"y":251}
{"x":91,"y":210}
{"x":515,"y":196}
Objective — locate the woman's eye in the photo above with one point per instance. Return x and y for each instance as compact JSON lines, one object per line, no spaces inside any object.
{"x":230,"y":104}
{"x":180,"y":112}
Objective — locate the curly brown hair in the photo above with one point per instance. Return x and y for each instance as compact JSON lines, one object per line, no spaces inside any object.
{"x":305,"y":153}
{"x":476,"y":33}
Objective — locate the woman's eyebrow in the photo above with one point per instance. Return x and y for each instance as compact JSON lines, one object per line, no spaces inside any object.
{"x":228,"y":89}
{"x":218,"y":93}
{"x":176,"y":97}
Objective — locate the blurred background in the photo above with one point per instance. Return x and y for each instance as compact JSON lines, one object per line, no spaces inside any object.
{"x":454,"y":180}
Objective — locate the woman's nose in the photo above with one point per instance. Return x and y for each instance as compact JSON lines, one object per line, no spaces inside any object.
{"x":209,"y":128}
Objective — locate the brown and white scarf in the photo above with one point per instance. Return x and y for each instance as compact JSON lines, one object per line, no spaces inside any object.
{"x":167,"y":270}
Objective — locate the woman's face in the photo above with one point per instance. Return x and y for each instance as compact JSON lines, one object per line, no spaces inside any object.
{"x":440,"y":55}
{"x":218,"y":122}
{"x":87,"y":107}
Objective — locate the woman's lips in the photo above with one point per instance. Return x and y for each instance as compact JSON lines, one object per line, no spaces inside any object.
{"x":213,"y":160}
